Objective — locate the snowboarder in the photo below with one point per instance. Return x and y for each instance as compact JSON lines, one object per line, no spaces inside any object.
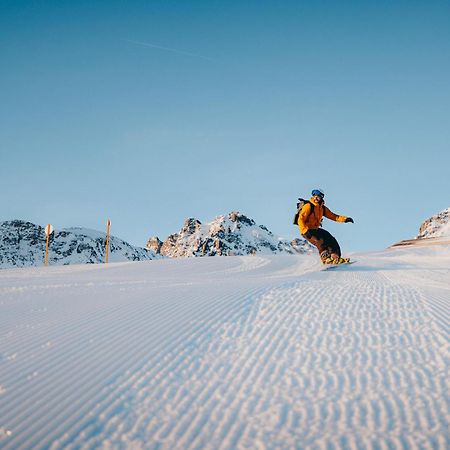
{"x":310,"y":220}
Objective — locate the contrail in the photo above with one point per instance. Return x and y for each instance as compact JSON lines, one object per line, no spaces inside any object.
{"x":174,"y":50}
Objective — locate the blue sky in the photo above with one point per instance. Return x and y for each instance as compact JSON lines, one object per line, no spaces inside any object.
{"x":149,"y":112}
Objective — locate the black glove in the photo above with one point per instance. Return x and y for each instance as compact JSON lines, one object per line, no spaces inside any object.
{"x":308,"y":234}
{"x":349,"y":220}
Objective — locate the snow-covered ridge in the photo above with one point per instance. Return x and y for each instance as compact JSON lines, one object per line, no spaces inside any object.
{"x":231,"y":234}
{"x":23,"y":244}
{"x":433,"y":231}
{"x":436,"y":226}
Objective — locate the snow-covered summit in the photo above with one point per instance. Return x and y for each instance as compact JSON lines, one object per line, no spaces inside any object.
{"x":23,"y":244}
{"x":436,"y":226}
{"x":231,"y":234}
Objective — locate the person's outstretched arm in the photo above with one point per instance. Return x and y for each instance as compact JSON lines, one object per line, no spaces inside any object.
{"x":332,"y":216}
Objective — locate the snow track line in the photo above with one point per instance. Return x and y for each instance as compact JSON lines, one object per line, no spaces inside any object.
{"x":131,"y":321}
{"x":172,"y":367}
{"x":113,"y":406}
{"x":238,"y":411}
{"x":68,"y":321}
{"x":376,"y":406}
{"x":438,"y":303}
{"x":67,"y":333}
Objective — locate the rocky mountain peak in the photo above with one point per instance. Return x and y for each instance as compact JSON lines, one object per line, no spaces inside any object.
{"x":230,"y":234}
{"x":436,"y":226}
{"x":191,"y":226}
{"x":154,"y":244}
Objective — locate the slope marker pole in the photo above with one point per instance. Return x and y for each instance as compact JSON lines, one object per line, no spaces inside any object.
{"x":108,"y":226}
{"x":48,"y":232}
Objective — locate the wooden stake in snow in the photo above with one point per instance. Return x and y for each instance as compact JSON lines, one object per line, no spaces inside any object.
{"x":48,"y":232}
{"x":108,"y":225}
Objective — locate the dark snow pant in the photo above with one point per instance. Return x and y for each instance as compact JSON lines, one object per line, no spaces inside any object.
{"x":324,"y":241}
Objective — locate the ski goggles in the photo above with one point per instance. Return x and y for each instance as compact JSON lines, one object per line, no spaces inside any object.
{"x":317,"y":192}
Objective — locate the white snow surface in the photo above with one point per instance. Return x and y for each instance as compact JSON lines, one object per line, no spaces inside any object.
{"x":251,"y":352}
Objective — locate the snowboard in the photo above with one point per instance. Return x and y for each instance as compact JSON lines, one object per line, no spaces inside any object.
{"x":335,"y":266}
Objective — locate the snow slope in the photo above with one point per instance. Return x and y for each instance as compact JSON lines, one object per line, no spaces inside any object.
{"x":262,"y":352}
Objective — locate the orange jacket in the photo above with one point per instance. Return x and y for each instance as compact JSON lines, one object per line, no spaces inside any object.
{"x":308,"y":220}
